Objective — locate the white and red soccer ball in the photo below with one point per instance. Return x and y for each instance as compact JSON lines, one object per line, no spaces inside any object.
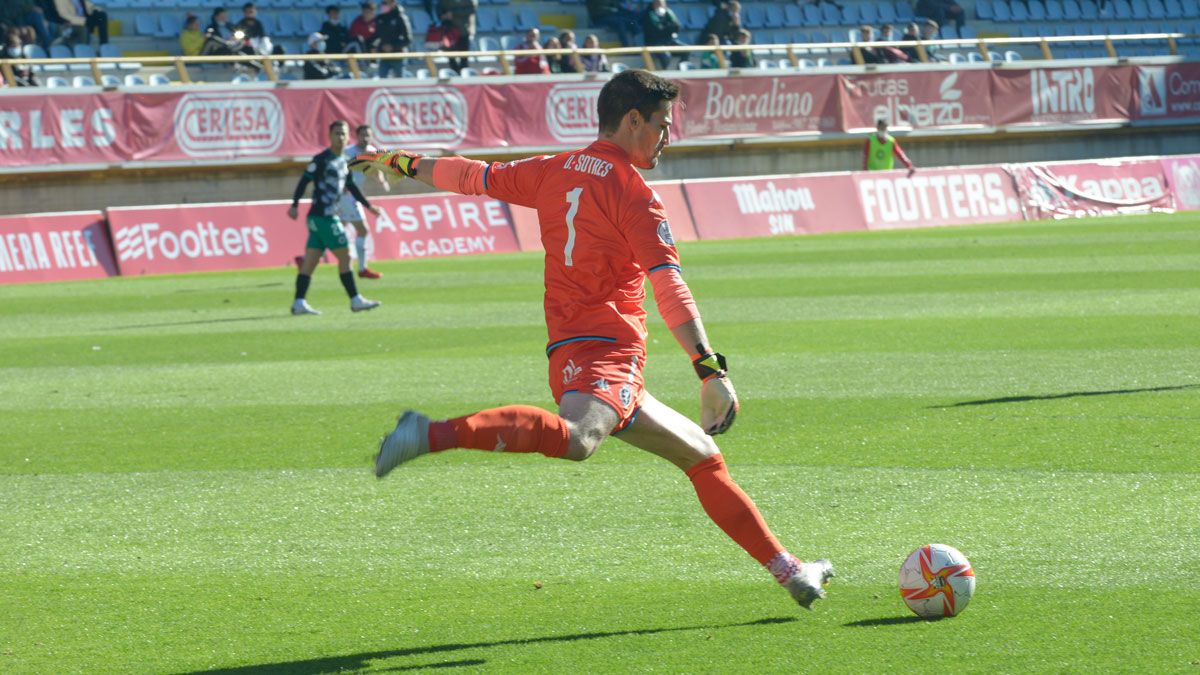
{"x":936,"y":581}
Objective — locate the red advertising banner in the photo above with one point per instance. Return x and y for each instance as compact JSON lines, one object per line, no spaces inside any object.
{"x":49,"y":128}
{"x":759,"y":207}
{"x":424,"y":226}
{"x":1062,"y":95}
{"x":1100,"y":188}
{"x":1183,"y":174}
{"x":55,"y":247}
{"x":204,"y":237}
{"x":1170,"y":92}
{"x":729,"y":107}
{"x":954,"y":196}
{"x":921,"y":100}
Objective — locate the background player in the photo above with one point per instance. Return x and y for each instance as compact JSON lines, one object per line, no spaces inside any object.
{"x":349,"y":210}
{"x":604,"y":230}
{"x":327,"y":172}
{"x":882,"y":150}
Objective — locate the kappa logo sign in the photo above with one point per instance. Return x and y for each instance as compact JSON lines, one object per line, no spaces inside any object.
{"x":902,"y":106}
{"x":418,"y":117}
{"x":229,"y":125}
{"x":571,"y":112}
{"x":150,"y":241}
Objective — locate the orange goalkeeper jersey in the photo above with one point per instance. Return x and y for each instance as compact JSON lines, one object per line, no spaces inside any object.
{"x":603,"y":230}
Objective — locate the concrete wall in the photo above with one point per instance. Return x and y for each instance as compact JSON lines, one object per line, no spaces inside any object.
{"x":34,"y":193}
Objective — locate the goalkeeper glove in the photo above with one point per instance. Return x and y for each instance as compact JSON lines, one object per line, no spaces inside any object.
{"x":718,"y":401}
{"x":394,"y":165}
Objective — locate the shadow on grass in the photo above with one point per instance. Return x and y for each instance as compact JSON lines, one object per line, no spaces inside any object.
{"x":1070,"y":394}
{"x":198,"y":322}
{"x":887,"y":621}
{"x":359,"y":661}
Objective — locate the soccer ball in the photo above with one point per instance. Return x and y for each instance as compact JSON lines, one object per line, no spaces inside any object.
{"x":936,"y":581}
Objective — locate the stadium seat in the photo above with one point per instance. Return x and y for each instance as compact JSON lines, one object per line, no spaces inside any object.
{"x":619,"y":67}
{"x":697,"y":17}
{"x":983,"y":10}
{"x":1173,"y":9}
{"x":1001,"y":12}
{"x":1191,"y":9}
{"x":509,"y":42}
{"x":830,"y":15}
{"x":1121,"y":9}
{"x":775,"y":17}
{"x":868,"y":13}
{"x":967,"y":33}
{"x":505,"y":21}
{"x":1088,"y":10}
{"x":812,"y":15}
{"x":169,"y":25}
{"x":1011,"y":56}
{"x":754,"y":16}
{"x":1037,"y":10}
{"x":57,"y":82}
{"x":159,"y":80}
{"x":804,"y":64}
{"x":487,"y":43}
{"x":792,"y":16}
{"x":1019,"y":11}
{"x":904,"y":11}
{"x":145,"y":24}
{"x":974,"y":57}
{"x":469,"y":72}
{"x":1070,"y":10}
{"x":286,"y":26}
{"x":61,"y":51}
{"x":786,"y":64}
{"x":526,"y":19}
{"x":423,"y":74}
{"x":886,"y":12}
{"x":1140,"y":10}
{"x":110,"y":81}
{"x":485,"y":20}
{"x":1158,"y":10}
{"x":851,"y":16}
{"x":83,"y":81}
{"x":447,"y":73}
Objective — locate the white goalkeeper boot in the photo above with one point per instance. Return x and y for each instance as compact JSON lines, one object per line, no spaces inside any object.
{"x":300,"y":307}
{"x":807,"y":585}
{"x":408,"y":441}
{"x":360,"y":304}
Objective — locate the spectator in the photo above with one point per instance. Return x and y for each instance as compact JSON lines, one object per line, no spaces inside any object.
{"x":462,"y":13}
{"x":881,"y":151}
{"x":15,"y":49}
{"x":724,"y":23}
{"x":28,"y":19}
{"x":531,"y":64}
{"x":442,"y":36}
{"x":593,"y":63}
{"x":553,"y":59}
{"x":219,"y":25}
{"x":221,"y":40}
{"x":869,"y":54}
{"x":568,"y":63}
{"x":710,"y":60}
{"x":78,"y":18}
{"x":661,"y":28}
{"x":890,"y":54}
{"x":337,"y":36}
{"x":611,"y":14}
{"x":319,"y":69}
{"x":254,"y":32}
{"x":942,"y":11}
{"x":191,"y":40}
{"x":742,"y":58}
{"x":929,"y":31}
{"x":912,"y":33}
{"x":393,"y":31}
{"x":364,"y":28}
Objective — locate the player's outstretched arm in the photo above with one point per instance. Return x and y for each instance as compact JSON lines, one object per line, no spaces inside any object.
{"x":718,"y":401}
{"x":453,"y":174}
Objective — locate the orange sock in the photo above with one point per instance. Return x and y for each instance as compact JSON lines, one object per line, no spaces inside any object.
{"x":513,"y":428}
{"x":732,"y":510}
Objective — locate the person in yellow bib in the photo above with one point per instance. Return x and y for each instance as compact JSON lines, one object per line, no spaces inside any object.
{"x":881,"y":151}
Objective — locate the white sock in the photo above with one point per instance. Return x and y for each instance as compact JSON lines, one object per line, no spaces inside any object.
{"x":360,"y":245}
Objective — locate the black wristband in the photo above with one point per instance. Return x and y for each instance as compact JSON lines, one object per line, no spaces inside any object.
{"x":709,"y":365}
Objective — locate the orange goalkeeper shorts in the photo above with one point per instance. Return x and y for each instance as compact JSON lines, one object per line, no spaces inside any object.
{"x":611,"y":372}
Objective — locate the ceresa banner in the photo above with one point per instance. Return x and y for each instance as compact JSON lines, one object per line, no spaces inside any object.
{"x":760,"y":207}
{"x":54,"y":247}
{"x":956,"y":196}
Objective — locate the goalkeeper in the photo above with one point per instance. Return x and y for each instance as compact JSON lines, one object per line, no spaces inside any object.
{"x":604,"y":231}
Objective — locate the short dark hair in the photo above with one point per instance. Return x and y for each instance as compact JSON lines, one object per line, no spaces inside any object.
{"x":248,"y":5}
{"x":336,"y":123}
{"x":332,"y":8}
{"x":880,"y":123}
{"x":638,"y":90}
{"x":361,"y":128}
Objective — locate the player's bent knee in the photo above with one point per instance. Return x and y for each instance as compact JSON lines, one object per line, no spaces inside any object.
{"x":584,"y":442}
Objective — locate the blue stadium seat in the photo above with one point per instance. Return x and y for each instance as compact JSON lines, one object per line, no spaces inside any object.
{"x":56,"y":82}
{"x":812,"y":16}
{"x":1173,"y":9}
{"x":967,"y":32}
{"x":1141,"y":11}
{"x":1054,"y":10}
{"x":1089,"y":11}
{"x":83,"y":81}
{"x":851,"y":15}
{"x":145,"y":24}
{"x":509,"y":42}
{"x":1019,"y":11}
{"x":697,"y":17}
{"x":505,"y":21}
{"x":420,"y":21}
{"x":1158,"y":10}
{"x":110,"y":50}
{"x":1121,"y":9}
{"x":754,"y":16}
{"x":310,"y":22}
{"x":904,"y":11}
{"x":1000,"y":11}
{"x":792,"y":16}
{"x":830,"y":15}
{"x":775,"y":17}
{"x":887,"y":12}
{"x":983,"y":10}
{"x":527,"y":18}
{"x":1037,"y":10}
{"x":868,"y":13}
{"x":1191,"y":9}
{"x":1070,"y":10}
{"x":485,"y":20}
{"x":286,"y":26}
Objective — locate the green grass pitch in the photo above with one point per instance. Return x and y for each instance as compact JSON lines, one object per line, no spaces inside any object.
{"x":185,"y":481}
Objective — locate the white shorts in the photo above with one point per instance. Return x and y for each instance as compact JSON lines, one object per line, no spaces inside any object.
{"x":349,"y":210}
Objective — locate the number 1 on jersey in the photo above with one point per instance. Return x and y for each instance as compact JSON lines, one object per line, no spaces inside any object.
{"x":572,"y":199}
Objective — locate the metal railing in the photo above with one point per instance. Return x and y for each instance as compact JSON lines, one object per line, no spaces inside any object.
{"x":794,"y":52}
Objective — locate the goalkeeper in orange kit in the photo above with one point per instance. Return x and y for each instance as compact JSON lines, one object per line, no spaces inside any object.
{"x":604,"y":231}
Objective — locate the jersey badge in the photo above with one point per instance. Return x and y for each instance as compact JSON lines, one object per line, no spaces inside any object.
{"x":571,"y":371}
{"x":664,"y":233}
{"x":626,"y":395}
